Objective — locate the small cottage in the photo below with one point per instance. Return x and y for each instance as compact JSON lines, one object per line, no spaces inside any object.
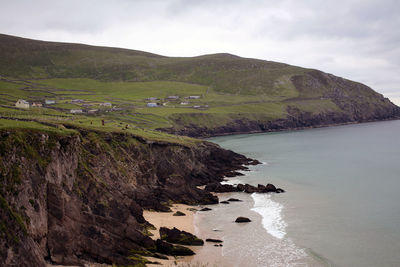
{"x":49,"y":102}
{"x":194,"y":97}
{"x":151,"y":105}
{"x":22,"y":104}
{"x":106,"y":104}
{"x":76,"y":111}
{"x":93,"y":111}
{"x":37,"y":105}
{"x":76,"y":101}
{"x":172,"y":97}
{"x":151,"y":98}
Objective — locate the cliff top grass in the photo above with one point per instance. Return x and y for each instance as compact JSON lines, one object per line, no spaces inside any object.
{"x":228,"y":87}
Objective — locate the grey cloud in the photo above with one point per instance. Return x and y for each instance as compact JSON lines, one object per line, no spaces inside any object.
{"x":357,"y":39}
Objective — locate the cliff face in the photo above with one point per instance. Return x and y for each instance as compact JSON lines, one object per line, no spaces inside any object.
{"x":67,"y":199}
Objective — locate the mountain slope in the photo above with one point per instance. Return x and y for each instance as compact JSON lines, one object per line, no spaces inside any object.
{"x":237,"y":94}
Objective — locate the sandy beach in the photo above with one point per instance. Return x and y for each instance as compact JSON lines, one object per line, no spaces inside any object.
{"x":166,"y":219}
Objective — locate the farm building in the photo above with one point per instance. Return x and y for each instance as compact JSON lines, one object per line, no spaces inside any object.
{"x":49,"y":102}
{"x":194,"y":97}
{"x":152,"y":105}
{"x":76,"y":111}
{"x":106,"y":104}
{"x":76,"y":101}
{"x":172,"y":97}
{"x":184,"y":103}
{"x":151,"y":98}
{"x":93,"y":111}
{"x":37,"y":105}
{"x":22,"y":104}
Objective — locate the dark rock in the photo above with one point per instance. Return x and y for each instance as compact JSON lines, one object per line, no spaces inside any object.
{"x":250,"y":189}
{"x":247,"y":188}
{"x":234,"y":200}
{"x":169,"y":249}
{"x":179,"y":213}
{"x":220,"y":188}
{"x":240,"y":187}
{"x":213,"y":240}
{"x":280,"y":190}
{"x":271,"y":188}
{"x":242,"y":220}
{"x":177,"y":236}
{"x":220,"y":245}
{"x":205,"y":209}
{"x":224,"y":202}
{"x":159,"y":256}
{"x":216,"y":245}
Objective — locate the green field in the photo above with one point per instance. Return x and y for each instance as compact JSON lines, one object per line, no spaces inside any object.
{"x":230,"y":88}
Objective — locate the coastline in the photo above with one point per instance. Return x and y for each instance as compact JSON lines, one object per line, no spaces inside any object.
{"x":166,"y":219}
{"x":232,"y":133}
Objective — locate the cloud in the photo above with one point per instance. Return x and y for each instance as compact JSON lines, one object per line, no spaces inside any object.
{"x":356,"y":39}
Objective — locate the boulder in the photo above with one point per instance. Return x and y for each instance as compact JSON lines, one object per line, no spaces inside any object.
{"x":242,"y":220}
{"x":179,"y":213}
{"x":169,"y":249}
{"x":250,"y":189}
{"x":234,"y":200}
{"x":177,"y":236}
{"x":205,"y":209}
{"x":271,"y":188}
{"x":220,"y":188}
{"x":213,"y":240}
{"x":224,"y":202}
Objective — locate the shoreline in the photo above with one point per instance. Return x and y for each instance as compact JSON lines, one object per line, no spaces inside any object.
{"x":166,"y":219}
{"x":285,"y":129}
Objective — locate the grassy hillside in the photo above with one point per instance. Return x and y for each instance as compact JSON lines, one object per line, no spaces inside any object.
{"x":231,"y":90}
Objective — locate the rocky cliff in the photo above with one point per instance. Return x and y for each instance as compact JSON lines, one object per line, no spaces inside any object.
{"x":74,"y":198}
{"x":352,"y":102}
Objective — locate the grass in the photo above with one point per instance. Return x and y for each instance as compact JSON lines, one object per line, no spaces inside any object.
{"x":230,"y":88}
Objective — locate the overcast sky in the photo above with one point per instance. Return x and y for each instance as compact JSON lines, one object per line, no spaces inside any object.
{"x":355,"y":39}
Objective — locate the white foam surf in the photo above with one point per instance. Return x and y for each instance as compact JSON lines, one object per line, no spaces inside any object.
{"x":271,"y":213}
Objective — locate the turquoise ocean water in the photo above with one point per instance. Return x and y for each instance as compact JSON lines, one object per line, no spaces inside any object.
{"x":342,"y":205}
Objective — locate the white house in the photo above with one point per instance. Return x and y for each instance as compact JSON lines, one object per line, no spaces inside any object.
{"x":172,"y":97}
{"x":37,"y":105}
{"x":194,"y":97}
{"x":76,"y":111}
{"x":22,"y":104}
{"x":49,"y":102}
{"x":152,"y":105}
{"x":106,"y":104}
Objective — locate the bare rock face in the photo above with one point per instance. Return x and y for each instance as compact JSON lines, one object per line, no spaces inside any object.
{"x":66,"y":199}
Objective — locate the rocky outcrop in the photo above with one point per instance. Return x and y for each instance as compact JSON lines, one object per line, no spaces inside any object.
{"x":169,"y":249}
{"x":177,"y":236}
{"x":247,"y":188}
{"x":74,"y":198}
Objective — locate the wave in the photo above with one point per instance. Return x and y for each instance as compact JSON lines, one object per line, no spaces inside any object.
{"x":271,"y":213}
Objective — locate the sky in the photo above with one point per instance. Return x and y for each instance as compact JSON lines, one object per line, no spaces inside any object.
{"x":354,"y":39}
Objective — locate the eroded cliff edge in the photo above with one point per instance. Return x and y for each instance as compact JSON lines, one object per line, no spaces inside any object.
{"x":75,"y":197}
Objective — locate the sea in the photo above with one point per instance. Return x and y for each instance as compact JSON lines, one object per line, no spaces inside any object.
{"x":341,"y":206}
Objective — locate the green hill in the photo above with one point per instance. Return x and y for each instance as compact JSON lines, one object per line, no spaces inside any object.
{"x":234,"y":94}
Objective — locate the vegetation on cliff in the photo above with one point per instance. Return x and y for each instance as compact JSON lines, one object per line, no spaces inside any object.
{"x":70,"y":196}
{"x":231,"y":94}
